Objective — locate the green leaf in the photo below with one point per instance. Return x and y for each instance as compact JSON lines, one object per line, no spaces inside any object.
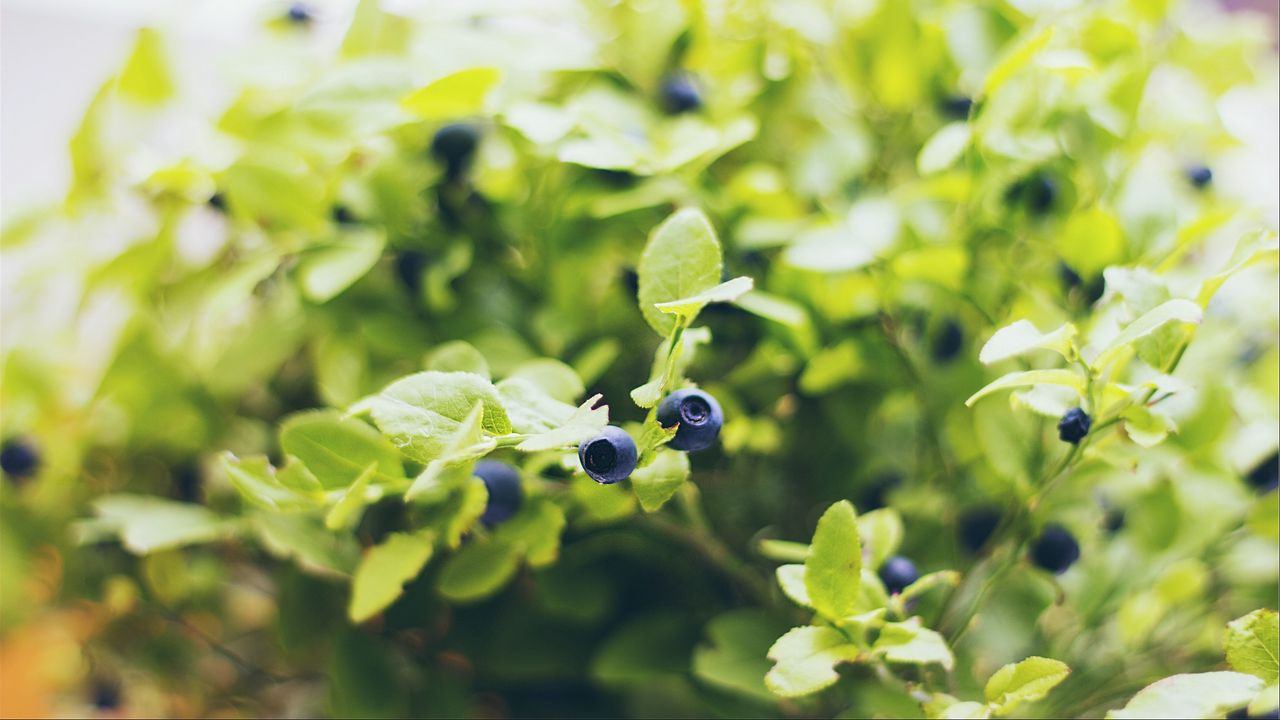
{"x":1024,"y":681}
{"x":680,"y":260}
{"x":881,"y":533}
{"x":1016,"y":58}
{"x":828,"y":249}
{"x":791,"y":580}
{"x":689,"y":307}
{"x":145,"y":78}
{"x":257,"y":482}
{"x":478,"y":570}
{"x":1022,"y":337}
{"x":1199,"y":695}
{"x":146,"y":524}
{"x":1266,"y":701}
{"x":535,"y":532}
{"x":325,"y":270}
{"x":384,"y":570}
{"x":908,"y":642}
{"x":1257,"y":247}
{"x":337,"y":449}
{"x":304,"y":539}
{"x":783,"y":550}
{"x":452,"y":466}
{"x":375,"y":32}
{"x":351,"y":502}
{"x":944,"y":148}
{"x":805,"y":660}
{"x":422,"y":412}
{"x":657,"y":482}
{"x":552,"y":377}
{"x":942,"y":265}
{"x":1177,"y":310}
{"x":585,"y":421}
{"x":735,"y":657}
{"x":472,"y":499}
{"x":456,"y":95}
{"x":1090,"y":241}
{"x":1252,"y":644}
{"x":457,"y":356}
{"x":669,"y":362}
{"x":833,"y":570}
{"x":1025,"y":378}
{"x":1145,"y":426}
{"x":928,"y":582}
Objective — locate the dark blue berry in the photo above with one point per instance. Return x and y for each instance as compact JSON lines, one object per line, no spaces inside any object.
{"x":1055,"y":549}
{"x":1037,"y":193}
{"x":897,"y":573}
{"x":409,"y":267}
{"x":1113,"y":520}
{"x":1266,"y":476}
{"x":680,"y":95}
{"x":19,"y":459}
{"x":698,"y":415}
{"x":1200,"y":176}
{"x":608,"y":457}
{"x":300,"y":14}
{"x":218,"y":202}
{"x":342,"y":215}
{"x":976,"y":527}
{"x":105,"y":694}
{"x":187,"y":483}
{"x":957,"y":106}
{"x":1074,"y":426}
{"x":876,"y":496}
{"x":455,"y":147}
{"x":505,"y":494}
{"x":948,"y":341}
{"x":631,"y":281}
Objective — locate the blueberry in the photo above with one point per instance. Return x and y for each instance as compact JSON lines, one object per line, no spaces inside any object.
{"x":1090,"y":290}
{"x":19,"y":459}
{"x":455,"y":146}
{"x":409,"y":267}
{"x":1266,"y":476}
{"x":876,"y":496}
{"x":218,"y":202}
{"x":948,"y":341}
{"x":1037,"y":192}
{"x":187,"y":482}
{"x":342,"y":215}
{"x":1074,"y":426}
{"x":976,"y":527}
{"x":631,"y":281}
{"x":698,"y":415}
{"x":679,"y":95}
{"x":105,"y":694}
{"x":1055,"y":549}
{"x":897,"y":573}
{"x":608,"y":457}
{"x":1113,"y":520}
{"x":1240,"y":713}
{"x":1200,"y":176}
{"x":957,"y":106}
{"x":300,"y":14}
{"x":505,"y":494}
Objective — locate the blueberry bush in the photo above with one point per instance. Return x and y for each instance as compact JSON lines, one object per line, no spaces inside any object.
{"x":655,"y":358}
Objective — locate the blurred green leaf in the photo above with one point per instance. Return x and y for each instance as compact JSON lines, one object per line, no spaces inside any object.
{"x":832,"y":572}
{"x":384,"y":570}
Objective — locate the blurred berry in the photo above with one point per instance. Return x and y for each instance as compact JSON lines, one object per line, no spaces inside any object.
{"x":680,"y":95}
{"x":1074,"y":425}
{"x":19,"y":459}
{"x":948,"y":341}
{"x":1266,"y":476}
{"x":1055,"y":549}
{"x":957,"y":106}
{"x":454,"y":146}
{"x":1200,"y":177}
{"x":300,"y":14}
{"x":977,"y":525}
{"x":897,"y":573}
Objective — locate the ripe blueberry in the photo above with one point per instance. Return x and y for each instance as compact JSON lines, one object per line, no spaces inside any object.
{"x":976,"y":526}
{"x":897,"y":573}
{"x":1089,"y":291}
{"x":948,"y":341}
{"x":105,"y":694}
{"x":455,"y":146}
{"x":1074,"y":426}
{"x":679,"y":95}
{"x":19,"y":459}
{"x":1266,"y":476}
{"x":1113,"y":520}
{"x":409,"y":267}
{"x":1199,"y":176}
{"x":300,"y":14}
{"x":698,"y":415}
{"x":957,"y":106}
{"x":505,"y":494}
{"x":1055,"y":549}
{"x":1037,"y":192}
{"x":187,"y":482}
{"x":342,"y":215}
{"x":218,"y":202}
{"x":608,"y":457}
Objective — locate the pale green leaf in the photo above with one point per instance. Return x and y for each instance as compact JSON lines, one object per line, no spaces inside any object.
{"x":1199,"y":695}
{"x":1145,"y":426}
{"x":384,"y":570}
{"x":535,"y":532}
{"x":351,"y":502}
{"x":337,"y":449}
{"x":944,"y":148}
{"x":791,"y":580}
{"x":1022,"y":337}
{"x":783,"y":550}
{"x":805,"y":660}
{"x":724,"y":292}
{"x":1025,"y":378}
{"x":421,"y":413}
{"x":657,"y":482}
{"x":735,"y":658}
{"x":908,"y":642}
{"x":680,"y":260}
{"x":456,"y":95}
{"x":146,"y":78}
{"x":326,"y":269}
{"x":585,"y":421}
{"x":453,"y":462}
{"x":833,"y":570}
{"x":1090,"y":241}
{"x":304,"y":539}
{"x":1177,"y":310}
{"x":146,"y":524}
{"x":1253,"y":643}
{"x":457,"y":356}
{"x":478,"y":570}
{"x":881,"y":533}
{"x":258,"y":482}
{"x":552,"y":377}
{"x":1024,"y":681}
